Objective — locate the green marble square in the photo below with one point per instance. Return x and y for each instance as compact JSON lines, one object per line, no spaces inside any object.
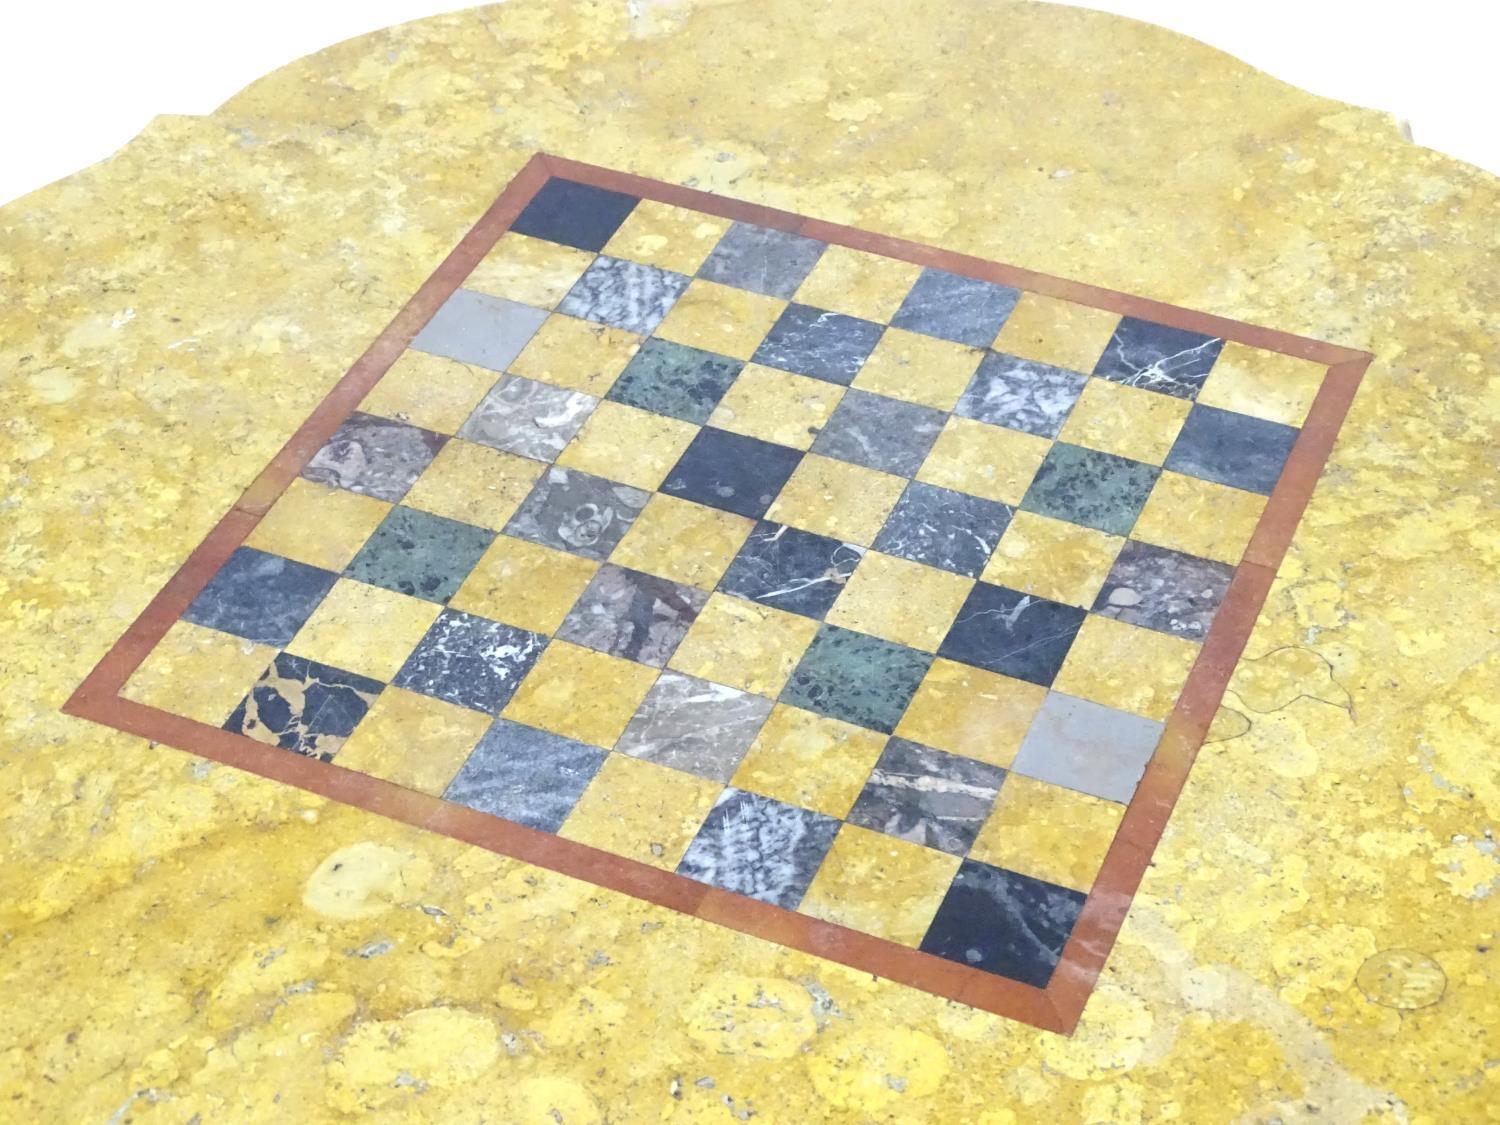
{"x":420,"y":554}
{"x":857,"y":678}
{"x":1087,"y":487}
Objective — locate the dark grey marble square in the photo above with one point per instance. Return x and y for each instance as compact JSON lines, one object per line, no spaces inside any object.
{"x":530,"y":776}
{"x":420,"y":554}
{"x":856,"y":678}
{"x":1021,"y":394}
{"x":1015,"y":634}
{"x":773,"y":262}
{"x":824,"y":345}
{"x":1087,"y":747}
{"x":632,"y":615}
{"x":577,"y":512}
{"x":303,"y":706}
{"x":1164,"y":590}
{"x":758,"y":847}
{"x":731,"y":472}
{"x":471,"y":661}
{"x":942,"y":528}
{"x":1173,"y":361}
{"x":623,"y":294}
{"x":1233,"y":449}
{"x":374,"y":456}
{"x":1090,"y":488}
{"x":259,"y":596}
{"x":880,"y":433}
{"x":479,"y":329}
{"x":574,"y":214}
{"x":951,"y":307}
{"x":675,"y":380}
{"x":927,"y":796}
{"x":528,"y":418}
{"x":791,"y":569}
{"x":695,"y":726}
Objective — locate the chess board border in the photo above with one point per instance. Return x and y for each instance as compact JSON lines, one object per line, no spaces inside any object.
{"x":1057,"y":1007}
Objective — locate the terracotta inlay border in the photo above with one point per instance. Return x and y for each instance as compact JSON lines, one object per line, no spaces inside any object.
{"x":1056,"y":1007}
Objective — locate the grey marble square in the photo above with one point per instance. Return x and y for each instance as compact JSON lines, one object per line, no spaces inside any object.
{"x":824,"y":345}
{"x":479,"y":329}
{"x":758,"y":847}
{"x":773,"y":262}
{"x":695,"y":726}
{"x":374,"y":456}
{"x":1087,"y":747}
{"x":927,"y":796}
{"x":470,"y":661}
{"x":880,"y":433}
{"x":528,"y":418}
{"x":526,"y":775}
{"x":1021,"y":394}
{"x":632,"y":615}
{"x":624,"y":294}
{"x":577,"y":512}
{"x":1172,"y":361}
{"x":952,"y":307}
{"x":1168,"y":591}
{"x":942,"y":528}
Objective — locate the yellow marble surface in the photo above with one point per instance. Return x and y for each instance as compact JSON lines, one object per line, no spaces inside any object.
{"x":809,"y":760}
{"x":1315,"y":940}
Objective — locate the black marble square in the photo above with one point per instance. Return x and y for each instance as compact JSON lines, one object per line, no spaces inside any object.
{"x":303,"y":706}
{"x":471,"y":661}
{"x":942,"y":528}
{"x":624,"y":294}
{"x":574,"y":214}
{"x":927,"y":796}
{"x":1021,"y":394}
{"x":880,"y":433}
{"x":1085,"y":486}
{"x":731,"y":472}
{"x":260,"y":597}
{"x":420,"y":554}
{"x":675,"y":380}
{"x":1015,"y":634}
{"x":824,"y":345}
{"x":762,"y":260}
{"x":1233,"y":449}
{"x":530,"y":776}
{"x":1173,"y":361}
{"x":952,"y":307}
{"x":632,"y":615}
{"x":374,"y":456}
{"x":1004,"y":923}
{"x":791,"y":569}
{"x":577,"y":512}
{"x":755,"y":846}
{"x":857,"y":678}
{"x":1164,"y":590}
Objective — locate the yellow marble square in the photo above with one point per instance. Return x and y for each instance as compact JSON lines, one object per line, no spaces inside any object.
{"x":984,"y":460}
{"x":686,"y":542}
{"x":626,"y":444}
{"x":1053,"y":559}
{"x":1048,"y":832}
{"x":672,"y":238}
{"x":1127,"y":667}
{"x":855,"y":283}
{"x":968,"y":711}
{"x":198,"y":673}
{"x":1126,"y":421}
{"x":744,"y":645}
{"x":577,"y":354}
{"x":900,"y":601}
{"x":641,"y":810}
{"x":919,"y":369}
{"x":1056,"y":332}
{"x":413,"y":740}
{"x":580,"y":694}
{"x":880,"y":885}
{"x":318,"y":525}
{"x":719,"y":318}
{"x":848,"y":502}
{"x":809,"y":760}
{"x":524,"y":584}
{"x":474,"y":483}
{"x":776,"y":406}
{"x":1200,"y":517}
{"x":532,"y":271}
{"x":1279,"y":388}
{"x":364,"y":629}
{"x":429,"y":391}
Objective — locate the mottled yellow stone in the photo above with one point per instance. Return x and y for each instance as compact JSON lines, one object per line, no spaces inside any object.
{"x":984,"y":460}
{"x":969,"y":711}
{"x":901,"y":601}
{"x":364,"y":629}
{"x":847,"y":502}
{"x":318,"y":525}
{"x":197,"y":672}
{"x":627,"y":444}
{"x":581,"y":694}
{"x":1048,"y":832}
{"x":524,"y":584}
{"x":683,"y":541}
{"x":474,"y":483}
{"x":855,"y":283}
{"x":1127,"y":667}
{"x":919,"y":369}
{"x":672,"y":238}
{"x":1279,"y":388}
{"x":744,"y":645}
{"x":413,"y":740}
{"x":1200,"y":517}
{"x":529,"y":270}
{"x":577,"y":354}
{"x":809,"y":760}
{"x":880,"y":885}
{"x":776,"y":406}
{"x":1126,"y":421}
{"x":641,"y":810}
{"x":720,"y":318}
{"x":1056,"y":332}
{"x":430,"y":391}
{"x":1053,"y":559}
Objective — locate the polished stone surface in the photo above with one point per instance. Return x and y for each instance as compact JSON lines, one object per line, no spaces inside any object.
{"x":695,"y":725}
{"x":791,"y":569}
{"x":879,"y":432}
{"x":528,"y":418}
{"x":927,"y":796}
{"x":470,"y":661}
{"x":374,"y":456}
{"x":758,"y":847}
{"x":574,"y":511}
{"x":636,"y":616}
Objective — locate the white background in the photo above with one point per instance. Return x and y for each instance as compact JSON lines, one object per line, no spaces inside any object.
{"x":79,"y":78}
